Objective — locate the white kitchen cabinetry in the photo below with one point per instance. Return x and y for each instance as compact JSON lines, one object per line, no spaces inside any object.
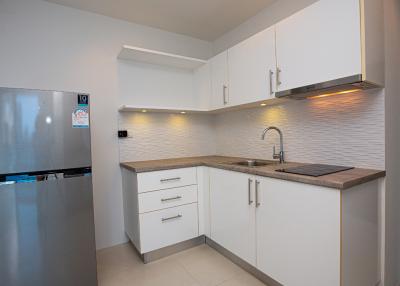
{"x":166,"y":179}
{"x":167,"y":227}
{"x":252,"y":66}
{"x":168,"y":198}
{"x":219,"y":81}
{"x":232,"y":212}
{"x":298,"y":233}
{"x":330,"y":40}
{"x":161,"y":207}
{"x":202,"y":87}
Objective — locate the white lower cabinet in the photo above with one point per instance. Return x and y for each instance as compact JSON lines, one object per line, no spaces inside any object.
{"x":298,"y":233}
{"x":232,"y":212}
{"x":161,"y":207}
{"x":152,"y":201}
{"x":169,"y":226}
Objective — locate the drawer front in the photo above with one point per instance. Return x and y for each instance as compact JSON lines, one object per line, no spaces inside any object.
{"x":166,"y":179}
{"x":158,"y":200}
{"x":167,"y":227}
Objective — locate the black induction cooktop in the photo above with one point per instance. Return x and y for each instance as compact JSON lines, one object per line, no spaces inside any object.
{"x":315,"y":170}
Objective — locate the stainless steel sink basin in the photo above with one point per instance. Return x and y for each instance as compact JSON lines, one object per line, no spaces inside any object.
{"x":254,"y":163}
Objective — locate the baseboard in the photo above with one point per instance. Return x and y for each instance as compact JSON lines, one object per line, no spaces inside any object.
{"x":172,"y":249}
{"x":242,"y":264}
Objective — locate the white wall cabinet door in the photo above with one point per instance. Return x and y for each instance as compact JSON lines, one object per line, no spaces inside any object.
{"x":219,"y":81}
{"x":252,"y":64}
{"x":298,"y":233}
{"x":202,"y":86}
{"x":232,"y":212}
{"x":319,"y":43}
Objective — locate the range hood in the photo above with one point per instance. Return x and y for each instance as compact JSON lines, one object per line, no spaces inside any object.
{"x":333,"y":87}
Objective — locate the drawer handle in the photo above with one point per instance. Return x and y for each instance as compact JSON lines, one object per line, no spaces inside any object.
{"x":170,"y":179}
{"x":171,"y":218}
{"x":171,"y":199}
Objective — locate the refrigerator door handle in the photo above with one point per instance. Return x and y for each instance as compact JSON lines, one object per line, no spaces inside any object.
{"x":11,"y":179}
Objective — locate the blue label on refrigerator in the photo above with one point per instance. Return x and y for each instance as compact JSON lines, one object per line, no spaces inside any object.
{"x":80,"y":118}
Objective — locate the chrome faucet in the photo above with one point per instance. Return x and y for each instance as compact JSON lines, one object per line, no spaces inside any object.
{"x":281,"y":154}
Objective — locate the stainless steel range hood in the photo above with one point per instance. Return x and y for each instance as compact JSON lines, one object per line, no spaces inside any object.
{"x":337,"y":86}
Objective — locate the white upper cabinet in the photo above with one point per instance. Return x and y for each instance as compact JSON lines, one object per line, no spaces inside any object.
{"x":319,"y":43}
{"x":232,"y":212}
{"x":326,"y":41}
{"x":252,"y":64}
{"x":202,"y":86}
{"x":220,"y":82}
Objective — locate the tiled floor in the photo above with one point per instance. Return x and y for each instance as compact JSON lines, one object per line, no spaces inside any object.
{"x":199,"y":266}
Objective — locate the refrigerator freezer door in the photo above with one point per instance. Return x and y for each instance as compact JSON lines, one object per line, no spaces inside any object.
{"x":47,"y":233}
{"x":37,"y":132}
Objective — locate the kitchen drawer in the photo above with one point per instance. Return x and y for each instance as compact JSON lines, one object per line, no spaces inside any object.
{"x":167,"y":227}
{"x":166,"y":179}
{"x":157,"y":200}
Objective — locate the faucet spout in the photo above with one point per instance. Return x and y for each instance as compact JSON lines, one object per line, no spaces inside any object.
{"x":281,"y":155}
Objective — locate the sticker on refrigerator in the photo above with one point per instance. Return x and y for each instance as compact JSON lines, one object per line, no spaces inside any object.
{"x":80,"y":118}
{"x":83,"y":99}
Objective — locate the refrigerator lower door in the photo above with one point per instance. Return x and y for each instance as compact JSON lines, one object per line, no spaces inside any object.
{"x":47,"y":233}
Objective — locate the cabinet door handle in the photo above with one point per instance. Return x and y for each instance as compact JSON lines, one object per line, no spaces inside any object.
{"x":271,"y":74}
{"x":278,"y":76}
{"x":224,"y":88}
{"x":170,"y":179}
{"x":171,"y":218}
{"x":171,"y":199}
{"x":257,"y":194}
{"x":249,"y":190}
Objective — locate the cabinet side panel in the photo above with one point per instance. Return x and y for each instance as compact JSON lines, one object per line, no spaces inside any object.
{"x":373,"y":41}
{"x":360,"y":235}
{"x":131,"y":211}
{"x":203,"y":200}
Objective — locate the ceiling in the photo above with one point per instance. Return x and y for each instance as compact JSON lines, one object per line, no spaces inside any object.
{"x":202,"y":19}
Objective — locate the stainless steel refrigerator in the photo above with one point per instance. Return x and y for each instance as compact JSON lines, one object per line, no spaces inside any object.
{"x":46,"y":204}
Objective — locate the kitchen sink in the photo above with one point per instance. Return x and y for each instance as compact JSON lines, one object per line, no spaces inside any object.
{"x":254,"y":163}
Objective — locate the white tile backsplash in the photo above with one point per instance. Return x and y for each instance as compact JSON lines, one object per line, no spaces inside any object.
{"x":343,"y":130}
{"x":161,"y":136}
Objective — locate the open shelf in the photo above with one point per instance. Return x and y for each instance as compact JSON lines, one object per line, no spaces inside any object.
{"x":128,"y":108}
{"x":159,"y":58}
{"x":258,"y":104}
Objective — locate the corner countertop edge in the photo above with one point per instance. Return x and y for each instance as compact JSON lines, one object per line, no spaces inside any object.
{"x":341,"y":181}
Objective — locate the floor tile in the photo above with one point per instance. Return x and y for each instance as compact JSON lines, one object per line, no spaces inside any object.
{"x":243,"y":280}
{"x":160,"y":273}
{"x":113,"y":260}
{"x":207,"y":266}
{"x":199,"y":266}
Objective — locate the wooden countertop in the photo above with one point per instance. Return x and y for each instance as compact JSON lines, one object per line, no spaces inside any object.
{"x":342,"y":180}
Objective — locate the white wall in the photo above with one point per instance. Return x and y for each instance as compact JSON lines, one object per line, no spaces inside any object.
{"x":392,"y":111}
{"x":47,"y":46}
{"x":277,"y":11}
